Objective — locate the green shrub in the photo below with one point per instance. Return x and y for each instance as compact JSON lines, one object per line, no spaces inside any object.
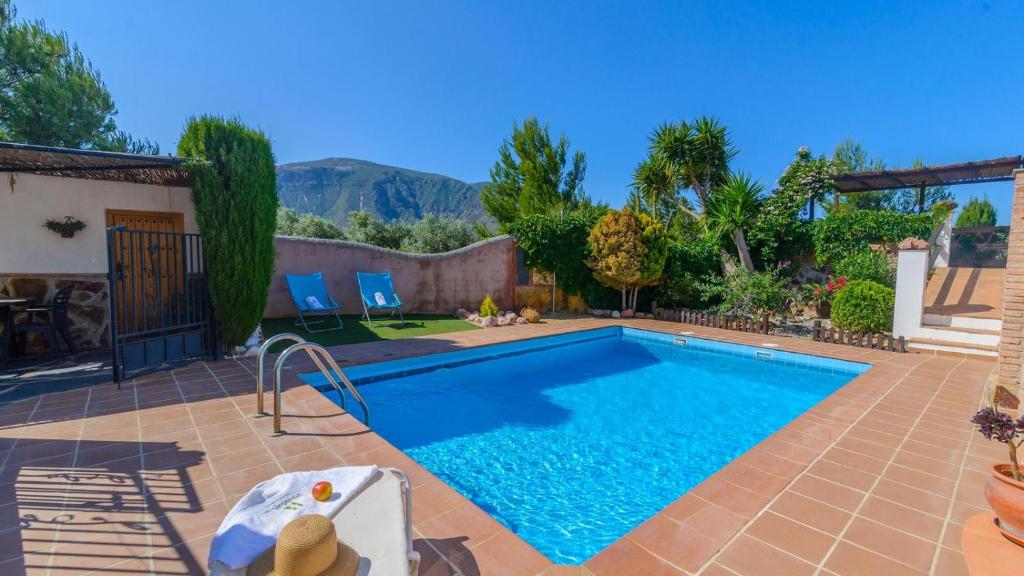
{"x":558,"y":244}
{"x":488,"y":307}
{"x":749,"y":293}
{"x":435,"y":234}
{"x":687,"y":265}
{"x":289,"y":223}
{"x":368,"y":229}
{"x":846,"y":231}
{"x":286,"y":221}
{"x":864,"y":306}
{"x":977,"y":214}
{"x":310,"y":226}
{"x":866,"y":265}
{"x":234,"y":189}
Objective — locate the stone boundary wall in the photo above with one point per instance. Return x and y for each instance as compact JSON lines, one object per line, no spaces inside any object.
{"x":431,"y":283}
{"x":1010,"y":344}
{"x":88,"y":311}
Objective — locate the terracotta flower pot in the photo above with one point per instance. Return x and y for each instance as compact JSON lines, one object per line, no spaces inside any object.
{"x":1006,"y":497}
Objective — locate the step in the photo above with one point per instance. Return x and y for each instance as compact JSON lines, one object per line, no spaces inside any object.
{"x":959,"y":335}
{"x":943,"y":346}
{"x":942,"y":320}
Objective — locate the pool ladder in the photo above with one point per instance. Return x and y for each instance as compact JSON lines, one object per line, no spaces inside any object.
{"x":319,"y":355}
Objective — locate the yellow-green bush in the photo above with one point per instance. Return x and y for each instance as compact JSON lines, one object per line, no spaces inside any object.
{"x":488,"y":307}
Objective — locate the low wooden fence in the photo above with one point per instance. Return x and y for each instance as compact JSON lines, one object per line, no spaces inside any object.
{"x":876,"y":341}
{"x":725,"y":322}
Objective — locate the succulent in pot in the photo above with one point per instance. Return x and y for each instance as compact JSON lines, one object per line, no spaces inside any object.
{"x":1005,"y":488}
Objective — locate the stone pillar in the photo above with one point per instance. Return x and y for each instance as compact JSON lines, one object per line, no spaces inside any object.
{"x":1010,"y":347}
{"x":911,"y":281}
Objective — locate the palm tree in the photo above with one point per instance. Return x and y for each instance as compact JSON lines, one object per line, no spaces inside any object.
{"x":654,"y":180}
{"x":733,"y":207}
{"x":699,"y":153}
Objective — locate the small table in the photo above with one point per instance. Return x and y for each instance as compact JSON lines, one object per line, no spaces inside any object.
{"x":986,"y":550}
{"x":6,"y":303}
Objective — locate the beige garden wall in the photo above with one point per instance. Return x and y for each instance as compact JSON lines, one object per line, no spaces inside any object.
{"x":436,"y":283}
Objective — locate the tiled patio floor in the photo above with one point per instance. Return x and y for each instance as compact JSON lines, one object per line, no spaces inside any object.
{"x":876,"y":479}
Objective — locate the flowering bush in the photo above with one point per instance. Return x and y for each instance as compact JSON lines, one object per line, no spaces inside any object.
{"x":821,"y":295}
{"x":780,"y":231}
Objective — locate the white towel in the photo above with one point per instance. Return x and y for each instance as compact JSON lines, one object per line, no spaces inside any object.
{"x":314,"y":303}
{"x":253,"y":524}
{"x":381,"y":300}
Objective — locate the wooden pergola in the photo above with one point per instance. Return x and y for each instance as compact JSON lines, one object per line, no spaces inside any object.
{"x":93,"y":164}
{"x":997,"y":170}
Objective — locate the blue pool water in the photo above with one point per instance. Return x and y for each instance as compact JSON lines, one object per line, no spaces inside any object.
{"x":571,"y":441}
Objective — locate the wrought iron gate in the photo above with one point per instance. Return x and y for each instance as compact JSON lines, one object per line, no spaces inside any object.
{"x":159,"y":304}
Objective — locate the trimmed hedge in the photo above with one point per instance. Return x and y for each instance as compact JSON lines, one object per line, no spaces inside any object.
{"x":864,"y":306}
{"x":234,"y":188}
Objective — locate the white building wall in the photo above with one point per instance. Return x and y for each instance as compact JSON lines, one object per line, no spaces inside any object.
{"x":28,"y":248}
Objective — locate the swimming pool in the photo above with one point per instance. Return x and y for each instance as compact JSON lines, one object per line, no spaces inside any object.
{"x":571,"y":441}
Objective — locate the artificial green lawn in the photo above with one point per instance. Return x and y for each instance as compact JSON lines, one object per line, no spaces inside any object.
{"x":356,"y":330}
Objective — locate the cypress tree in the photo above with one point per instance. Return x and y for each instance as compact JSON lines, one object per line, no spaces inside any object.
{"x":235,"y":193}
{"x":977,"y":213}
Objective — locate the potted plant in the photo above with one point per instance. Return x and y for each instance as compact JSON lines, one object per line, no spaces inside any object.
{"x":1005,"y":488}
{"x":67,"y":228}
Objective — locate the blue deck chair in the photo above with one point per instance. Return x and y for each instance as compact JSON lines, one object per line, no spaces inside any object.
{"x":378,"y":293}
{"x":311,"y":298}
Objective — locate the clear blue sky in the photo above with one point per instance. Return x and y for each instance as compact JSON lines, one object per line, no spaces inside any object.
{"x":436,"y":86}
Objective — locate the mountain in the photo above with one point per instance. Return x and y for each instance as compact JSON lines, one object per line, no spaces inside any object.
{"x":333,"y":187}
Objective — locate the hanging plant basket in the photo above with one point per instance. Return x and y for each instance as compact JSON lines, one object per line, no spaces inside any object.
{"x":67,"y":228}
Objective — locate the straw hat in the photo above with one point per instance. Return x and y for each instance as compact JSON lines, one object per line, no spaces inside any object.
{"x":307,"y":546}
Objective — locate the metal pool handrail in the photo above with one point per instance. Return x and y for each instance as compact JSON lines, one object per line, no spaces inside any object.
{"x":320,"y":351}
{"x":259,"y":361}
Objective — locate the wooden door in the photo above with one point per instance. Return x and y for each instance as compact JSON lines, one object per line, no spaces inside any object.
{"x":147,"y":258}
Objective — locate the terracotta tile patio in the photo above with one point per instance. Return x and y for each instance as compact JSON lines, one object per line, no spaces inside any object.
{"x":876,"y":479}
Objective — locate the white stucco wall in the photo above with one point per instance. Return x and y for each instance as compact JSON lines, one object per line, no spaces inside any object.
{"x":911,"y":281}
{"x":28,"y":248}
